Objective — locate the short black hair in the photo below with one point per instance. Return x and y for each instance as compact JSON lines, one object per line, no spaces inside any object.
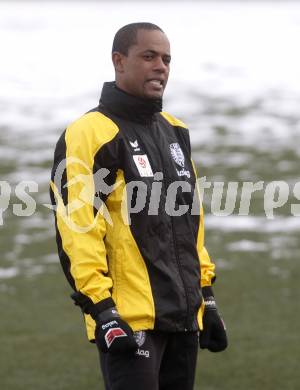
{"x":126,"y":36}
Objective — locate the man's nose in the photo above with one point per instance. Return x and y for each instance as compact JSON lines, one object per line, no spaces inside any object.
{"x":160,"y":65}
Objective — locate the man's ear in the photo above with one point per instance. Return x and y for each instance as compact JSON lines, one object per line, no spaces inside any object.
{"x":118,"y":61}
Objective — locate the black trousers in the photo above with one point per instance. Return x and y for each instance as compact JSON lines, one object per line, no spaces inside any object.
{"x":163,"y":361}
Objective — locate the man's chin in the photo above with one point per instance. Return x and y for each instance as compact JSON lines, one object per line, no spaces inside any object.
{"x":154,"y":94}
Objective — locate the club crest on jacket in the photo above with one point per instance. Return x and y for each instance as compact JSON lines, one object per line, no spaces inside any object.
{"x":177,"y":154}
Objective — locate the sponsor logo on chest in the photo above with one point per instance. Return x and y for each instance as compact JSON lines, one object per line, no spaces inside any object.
{"x":143,"y":165}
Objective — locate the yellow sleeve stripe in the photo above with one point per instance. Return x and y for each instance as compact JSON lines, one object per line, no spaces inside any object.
{"x":85,"y":137}
{"x":207,"y":266}
{"x":81,"y":234}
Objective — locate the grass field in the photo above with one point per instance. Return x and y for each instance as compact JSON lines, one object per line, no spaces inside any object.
{"x":43,"y":342}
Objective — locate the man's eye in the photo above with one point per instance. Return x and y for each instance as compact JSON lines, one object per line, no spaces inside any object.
{"x":148,"y":57}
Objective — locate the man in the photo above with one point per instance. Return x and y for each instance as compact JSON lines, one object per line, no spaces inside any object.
{"x":130,"y":228}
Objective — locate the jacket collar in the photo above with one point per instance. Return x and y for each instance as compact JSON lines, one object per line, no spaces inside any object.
{"x":127,"y":106}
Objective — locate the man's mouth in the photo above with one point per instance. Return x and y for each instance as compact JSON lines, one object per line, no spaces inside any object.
{"x":156,"y":83}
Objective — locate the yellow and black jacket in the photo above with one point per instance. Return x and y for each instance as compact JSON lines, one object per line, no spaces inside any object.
{"x":151,"y":262}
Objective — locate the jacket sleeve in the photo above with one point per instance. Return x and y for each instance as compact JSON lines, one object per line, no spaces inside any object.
{"x":207,"y":266}
{"x":80,"y":227}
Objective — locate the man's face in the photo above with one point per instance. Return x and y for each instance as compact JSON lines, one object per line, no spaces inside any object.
{"x":145,"y":70}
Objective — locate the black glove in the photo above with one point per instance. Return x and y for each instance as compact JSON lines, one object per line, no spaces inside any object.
{"x":213,"y":336}
{"x":112,"y":333}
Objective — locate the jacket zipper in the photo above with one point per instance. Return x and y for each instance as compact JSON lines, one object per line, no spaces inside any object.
{"x":176,"y":254}
{"x":181,"y":275}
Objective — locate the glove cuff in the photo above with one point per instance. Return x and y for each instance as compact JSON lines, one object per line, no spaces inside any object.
{"x":207,"y":292}
{"x":209,"y":299}
{"x":210,"y":303}
{"x":102,"y":307}
{"x":107,"y":315}
{"x":89,"y":307}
